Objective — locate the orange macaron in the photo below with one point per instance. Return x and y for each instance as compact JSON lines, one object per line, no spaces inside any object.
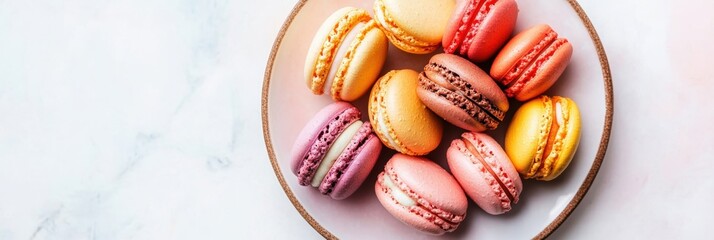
{"x":399,"y":118}
{"x":531,"y":62}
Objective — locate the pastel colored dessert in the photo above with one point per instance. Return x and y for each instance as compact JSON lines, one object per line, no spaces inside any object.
{"x":461,"y":93}
{"x":421,"y":194}
{"x":543,"y":137}
{"x":414,"y":26}
{"x":346,"y":55}
{"x":531,"y":62}
{"x":335,"y":151}
{"x":478,"y":28}
{"x":485,"y":172}
{"x":399,"y":118}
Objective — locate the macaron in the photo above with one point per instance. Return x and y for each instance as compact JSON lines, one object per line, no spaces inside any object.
{"x":335,"y":151}
{"x":421,"y":194}
{"x":485,"y":172}
{"x":461,"y":93}
{"x":543,"y":137}
{"x":400,"y":119}
{"x":346,"y":55}
{"x":478,"y":28}
{"x":531,"y":62}
{"x":414,"y":26}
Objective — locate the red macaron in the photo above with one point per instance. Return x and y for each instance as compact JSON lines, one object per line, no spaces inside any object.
{"x":478,"y":28}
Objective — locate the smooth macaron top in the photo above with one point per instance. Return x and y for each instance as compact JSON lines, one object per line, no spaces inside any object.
{"x":543,"y":137}
{"x":478,"y":28}
{"x":485,"y":172}
{"x":462,"y":93}
{"x":531,"y":62}
{"x":399,"y":118}
{"x":420,"y":193}
{"x":415,"y":26}
{"x":346,"y":55}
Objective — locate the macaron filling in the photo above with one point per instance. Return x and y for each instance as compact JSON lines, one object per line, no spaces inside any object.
{"x":410,"y":200}
{"x":334,"y":152}
{"x":447,"y":84}
{"x":314,"y":155}
{"x":396,"y":35}
{"x":400,"y":196}
{"x":501,"y":183}
{"x":382,"y":124}
{"x":330,"y":47}
{"x":341,"y":52}
{"x":379,"y":113}
{"x":555,"y":138}
{"x":356,"y":145}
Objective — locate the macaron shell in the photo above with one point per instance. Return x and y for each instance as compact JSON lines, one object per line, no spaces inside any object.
{"x":424,"y":20}
{"x":475,"y":76}
{"x":308,"y":135}
{"x":415,"y":128}
{"x":547,"y":74}
{"x":428,"y":180}
{"x":524,"y":134}
{"x":361,"y":66}
{"x":570,"y":142}
{"x":454,"y":114}
{"x":494,"y":30}
{"x":360,"y":165}
{"x":403,"y":214}
{"x":517,"y":48}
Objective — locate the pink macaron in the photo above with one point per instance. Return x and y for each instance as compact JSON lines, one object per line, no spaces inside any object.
{"x":485,"y":172}
{"x":421,"y":194}
{"x":335,"y":151}
{"x":478,"y":28}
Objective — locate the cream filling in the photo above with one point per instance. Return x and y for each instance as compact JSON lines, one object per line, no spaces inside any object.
{"x":341,"y":52}
{"x":384,"y":129}
{"x":334,"y":152}
{"x":399,"y":195}
{"x":559,"y":114}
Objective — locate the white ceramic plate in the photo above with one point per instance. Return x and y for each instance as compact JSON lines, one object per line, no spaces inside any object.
{"x":287,"y":106}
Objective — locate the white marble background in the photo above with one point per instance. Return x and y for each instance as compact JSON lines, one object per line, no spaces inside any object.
{"x":141,"y":120}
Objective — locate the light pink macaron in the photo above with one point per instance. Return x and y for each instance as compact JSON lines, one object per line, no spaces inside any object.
{"x":485,"y":172}
{"x":421,"y":194}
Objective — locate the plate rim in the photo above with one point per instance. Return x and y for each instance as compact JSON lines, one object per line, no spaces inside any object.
{"x":552,"y":226}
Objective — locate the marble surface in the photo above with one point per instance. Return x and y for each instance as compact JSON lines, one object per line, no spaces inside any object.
{"x":141,"y":120}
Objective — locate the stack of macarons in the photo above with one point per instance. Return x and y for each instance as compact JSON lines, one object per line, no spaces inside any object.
{"x":408,"y":109}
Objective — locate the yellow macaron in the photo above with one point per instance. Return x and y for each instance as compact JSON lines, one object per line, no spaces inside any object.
{"x":543,"y":137}
{"x":399,"y":118}
{"x":414,"y":26}
{"x":346,"y":55}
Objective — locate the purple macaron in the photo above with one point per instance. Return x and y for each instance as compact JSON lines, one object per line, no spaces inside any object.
{"x":335,"y":151}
